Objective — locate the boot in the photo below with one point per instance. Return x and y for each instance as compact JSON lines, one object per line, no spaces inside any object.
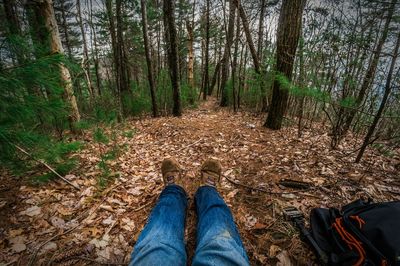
{"x":210,"y":173}
{"x":171,"y":172}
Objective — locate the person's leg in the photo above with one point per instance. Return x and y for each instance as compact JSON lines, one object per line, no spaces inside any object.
{"x":218,"y":240}
{"x":162,"y":240}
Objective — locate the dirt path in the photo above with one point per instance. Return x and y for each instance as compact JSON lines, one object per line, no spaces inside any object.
{"x":55,"y":223}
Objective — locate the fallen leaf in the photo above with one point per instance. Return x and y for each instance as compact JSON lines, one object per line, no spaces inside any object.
{"x":107,"y":208}
{"x":128,"y":224}
{"x":18,"y":247}
{"x":14,"y":233}
{"x":32,"y":211}
{"x":259,"y":226}
{"x":57,"y":222}
{"x":101,"y":243}
{"x":18,"y":243}
{"x":134,"y":191}
{"x":274,"y":250}
{"x":48,"y":247}
{"x":284,"y":259}
{"x":108,"y":221}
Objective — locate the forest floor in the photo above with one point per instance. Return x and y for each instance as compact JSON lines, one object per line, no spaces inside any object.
{"x":57,"y":224}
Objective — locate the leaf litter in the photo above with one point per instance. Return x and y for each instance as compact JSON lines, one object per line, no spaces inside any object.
{"x":54,"y":223}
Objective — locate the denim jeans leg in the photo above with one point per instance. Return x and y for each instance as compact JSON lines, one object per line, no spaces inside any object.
{"x":218,"y":240}
{"x":162,"y":240}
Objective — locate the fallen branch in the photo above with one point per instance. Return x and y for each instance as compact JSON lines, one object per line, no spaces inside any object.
{"x":95,"y":261}
{"x":47,"y":166}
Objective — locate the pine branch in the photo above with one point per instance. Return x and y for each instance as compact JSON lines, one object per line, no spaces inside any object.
{"x":46,"y":165}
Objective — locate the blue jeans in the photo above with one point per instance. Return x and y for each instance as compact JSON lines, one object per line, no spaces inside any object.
{"x":162,"y":240}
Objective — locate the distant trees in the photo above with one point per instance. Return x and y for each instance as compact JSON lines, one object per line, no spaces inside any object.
{"x":288,"y":33}
{"x":127,"y":58}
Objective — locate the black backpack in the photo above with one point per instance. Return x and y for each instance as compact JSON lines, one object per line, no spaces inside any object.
{"x":361,"y":233}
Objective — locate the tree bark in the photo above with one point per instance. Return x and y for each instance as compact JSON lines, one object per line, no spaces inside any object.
{"x":234,"y":64}
{"x":172,"y":49}
{"x":388,"y":88}
{"x":261,"y":30}
{"x":111,"y":21}
{"x":148,"y":58}
{"x":288,"y":33}
{"x":206,"y":55}
{"x":85,"y":59}
{"x":11,"y":17}
{"x":189,"y":27}
{"x":122,"y":68}
{"x":227,"y":51}
{"x":65,"y":28}
{"x":95,"y":50}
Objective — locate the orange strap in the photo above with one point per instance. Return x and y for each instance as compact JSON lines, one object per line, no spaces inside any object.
{"x":349,"y":239}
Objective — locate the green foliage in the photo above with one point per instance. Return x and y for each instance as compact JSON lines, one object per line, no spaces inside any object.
{"x":347,"y":102}
{"x":99,"y":136}
{"x":32,"y":110}
{"x":129,"y":133}
{"x":298,"y":91}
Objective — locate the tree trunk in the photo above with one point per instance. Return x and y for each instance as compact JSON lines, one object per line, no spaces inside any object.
{"x":148,"y":58}
{"x":189,"y":27}
{"x":111,"y":21}
{"x":13,"y":25}
{"x":388,"y":87}
{"x":65,"y":28}
{"x":11,"y":17}
{"x":249,"y":39}
{"x":47,"y":14}
{"x":227,"y":51}
{"x":261,"y":30}
{"x":206,"y":55}
{"x":288,"y":34}
{"x":95,"y":50}
{"x":234,"y":64}
{"x":85,"y":59}
{"x":122,"y":68}
{"x":301,"y":84}
{"x":172,"y":48}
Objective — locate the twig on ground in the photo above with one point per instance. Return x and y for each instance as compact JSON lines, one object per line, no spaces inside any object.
{"x":185,"y":147}
{"x":47,"y":166}
{"x":144,"y":206}
{"x":95,"y":261}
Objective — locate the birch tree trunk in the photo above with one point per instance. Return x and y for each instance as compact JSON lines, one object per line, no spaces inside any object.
{"x":85,"y":60}
{"x":47,"y":12}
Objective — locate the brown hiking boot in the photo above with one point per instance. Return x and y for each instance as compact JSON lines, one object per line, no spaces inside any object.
{"x":210,"y":173}
{"x":171,"y":172}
